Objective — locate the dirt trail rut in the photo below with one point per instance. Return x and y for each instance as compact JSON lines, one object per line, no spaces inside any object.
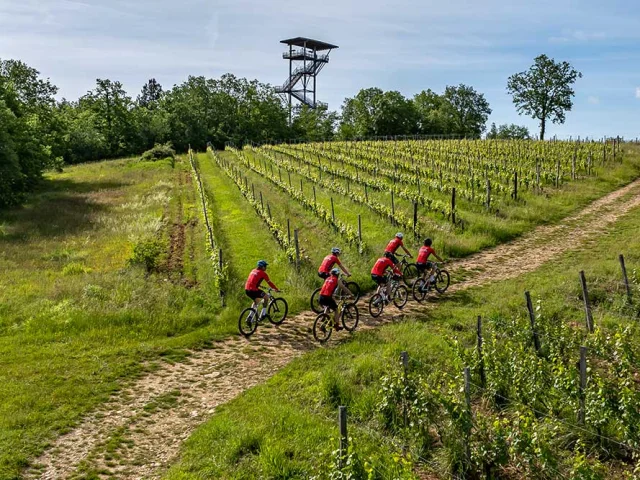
{"x":138,"y":433}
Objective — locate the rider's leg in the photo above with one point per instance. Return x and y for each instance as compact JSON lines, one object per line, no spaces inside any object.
{"x":263,"y":312}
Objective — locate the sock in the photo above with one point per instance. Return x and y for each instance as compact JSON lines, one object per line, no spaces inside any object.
{"x":432,"y":278}
{"x":264,"y":311}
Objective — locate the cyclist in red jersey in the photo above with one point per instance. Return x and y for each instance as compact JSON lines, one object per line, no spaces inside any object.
{"x":329,"y":261}
{"x":331,"y":284}
{"x":378,"y":273}
{"x":422,"y":262}
{"x":393,"y":246}
{"x":252,"y":286}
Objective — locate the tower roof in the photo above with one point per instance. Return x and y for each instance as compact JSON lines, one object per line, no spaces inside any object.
{"x":310,"y":43}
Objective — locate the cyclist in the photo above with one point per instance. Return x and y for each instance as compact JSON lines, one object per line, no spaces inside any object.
{"x":329,"y":261}
{"x":393,"y":246}
{"x":422,"y":262}
{"x":331,"y":284}
{"x":378,"y":274}
{"x":252,"y":287}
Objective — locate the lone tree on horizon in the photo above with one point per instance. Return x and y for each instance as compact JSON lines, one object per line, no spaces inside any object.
{"x":545,"y":91}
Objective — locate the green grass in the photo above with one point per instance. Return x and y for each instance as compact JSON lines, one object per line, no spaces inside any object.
{"x":287,"y":427}
{"x":75,"y":317}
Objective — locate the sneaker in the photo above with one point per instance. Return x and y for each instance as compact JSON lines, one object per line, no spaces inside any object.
{"x":337,"y":328}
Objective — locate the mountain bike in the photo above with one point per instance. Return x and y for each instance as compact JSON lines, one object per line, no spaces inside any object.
{"x":398,"y":294}
{"x":349,"y":316}
{"x":409,"y":271}
{"x":277,"y":309}
{"x":422,"y":286}
{"x":353,"y":287}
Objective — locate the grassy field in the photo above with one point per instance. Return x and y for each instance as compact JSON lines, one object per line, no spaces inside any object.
{"x":287,"y":427}
{"x":75,"y":317}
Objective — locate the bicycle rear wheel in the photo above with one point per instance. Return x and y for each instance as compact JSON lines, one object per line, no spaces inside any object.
{"x":278,"y":310}
{"x":420,"y":290}
{"x":376,"y":305}
{"x":443,"y":279}
{"x":350,"y":317}
{"x":400,"y":296}
{"x":315,"y":301}
{"x":322,"y":328}
{"x":410,"y":274}
{"x":248,"y":322}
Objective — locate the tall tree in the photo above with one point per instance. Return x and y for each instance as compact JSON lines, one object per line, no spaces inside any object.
{"x":150,"y":95}
{"x":314,"y":125}
{"x":508,"y":132}
{"x":433,"y":113}
{"x":545,"y":91}
{"x":468,"y":110}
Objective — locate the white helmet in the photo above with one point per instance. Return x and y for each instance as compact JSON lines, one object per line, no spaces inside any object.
{"x":400,"y":235}
{"x":335,"y":271}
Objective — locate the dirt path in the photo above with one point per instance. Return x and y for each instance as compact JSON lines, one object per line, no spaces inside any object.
{"x":138,"y":433}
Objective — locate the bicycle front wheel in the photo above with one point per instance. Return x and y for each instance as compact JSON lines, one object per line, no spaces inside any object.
{"x":400,"y":296}
{"x":350,"y":317}
{"x":410,"y":274}
{"x":420,"y":290}
{"x":354,"y":288}
{"x":248,"y":322}
{"x":443,"y":279}
{"x":315,"y":301}
{"x":322,"y":328}
{"x":278,"y":309}
{"x":376,"y":305}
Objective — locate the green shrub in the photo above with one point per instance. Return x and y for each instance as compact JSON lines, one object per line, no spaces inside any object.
{"x":75,"y":268}
{"x":159,"y":152}
{"x":147,"y":253}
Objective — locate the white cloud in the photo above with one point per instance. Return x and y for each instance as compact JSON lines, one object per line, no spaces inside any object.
{"x":638,"y":92}
{"x":593,"y":100}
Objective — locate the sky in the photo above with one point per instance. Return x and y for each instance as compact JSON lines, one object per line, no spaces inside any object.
{"x":404,"y":45}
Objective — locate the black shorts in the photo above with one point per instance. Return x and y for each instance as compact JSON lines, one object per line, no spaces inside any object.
{"x":392,"y":257}
{"x":326,"y":301}
{"x":379,"y":279}
{"x":253,"y":294}
{"x":423,"y":267}
{"x":323,"y":275}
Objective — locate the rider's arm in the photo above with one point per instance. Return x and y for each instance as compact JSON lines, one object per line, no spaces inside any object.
{"x":342,"y":286}
{"x":345,"y":270}
{"x":268,"y":280}
{"x":405,"y":250}
{"x":438,"y":257}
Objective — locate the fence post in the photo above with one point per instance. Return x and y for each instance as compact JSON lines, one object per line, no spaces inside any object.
{"x":488,"y":194}
{"x":515,"y":185}
{"x":315,"y":200}
{"x":253,"y":190}
{"x":453,"y":205}
{"x":583,"y":383}
{"x":483,"y":378}
{"x":290,"y":180}
{"x":344,"y":438}
{"x":289,"y":231}
{"x":532,"y":321}
{"x":359,"y":228}
{"x":301,"y":189}
{"x":624,"y":277}
{"x":295,"y":239}
{"x":366,"y":193}
{"x":269,"y":210}
{"x":280,"y":174}
{"x":333,"y":211}
{"x":587,"y":305}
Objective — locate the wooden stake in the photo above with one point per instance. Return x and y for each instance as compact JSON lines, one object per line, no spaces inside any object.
{"x":587,"y":305}
{"x":532,"y":321}
{"x":624,"y":277}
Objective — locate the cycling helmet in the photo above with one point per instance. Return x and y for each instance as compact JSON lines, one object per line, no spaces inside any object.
{"x":262,"y":264}
{"x":335,"y":271}
{"x":428,"y":242}
{"x":336,"y":251}
{"x":400,"y":235}
{"x":388,"y":255}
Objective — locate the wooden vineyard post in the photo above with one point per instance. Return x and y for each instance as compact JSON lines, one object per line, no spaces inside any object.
{"x":453,"y":205}
{"x":515,"y":185}
{"x":488,"y":203}
{"x":483,"y":378}
{"x":220,"y":259}
{"x":295,"y":239}
{"x":532,"y":321}
{"x":573,"y":166}
{"x":290,"y":185}
{"x":253,"y":190}
{"x":280,"y":174}
{"x":557,"y":173}
{"x":289,"y":230}
{"x":360,"y":228}
{"x":583,"y":384}
{"x":393,"y":209}
{"x":624,"y":277}
{"x":344,"y":438}
{"x":366,"y":193}
{"x":587,"y":305}
{"x":315,"y":200}
{"x":333,"y":211}
{"x":301,"y":189}
{"x":415,"y":219}
{"x":269,"y":210}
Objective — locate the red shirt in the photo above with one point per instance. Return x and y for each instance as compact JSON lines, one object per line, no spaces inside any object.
{"x":423,"y":254}
{"x":330,"y":285}
{"x":394,"y":245}
{"x":255,"y":278}
{"x":381,"y":266}
{"x":328,"y":263}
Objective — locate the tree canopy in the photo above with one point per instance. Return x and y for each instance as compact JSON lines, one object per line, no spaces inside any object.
{"x":545,"y":91}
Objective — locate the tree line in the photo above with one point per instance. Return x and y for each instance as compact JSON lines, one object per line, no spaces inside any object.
{"x":37,"y":132}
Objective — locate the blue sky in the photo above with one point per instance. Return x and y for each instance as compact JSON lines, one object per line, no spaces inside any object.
{"x":401,"y":45}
